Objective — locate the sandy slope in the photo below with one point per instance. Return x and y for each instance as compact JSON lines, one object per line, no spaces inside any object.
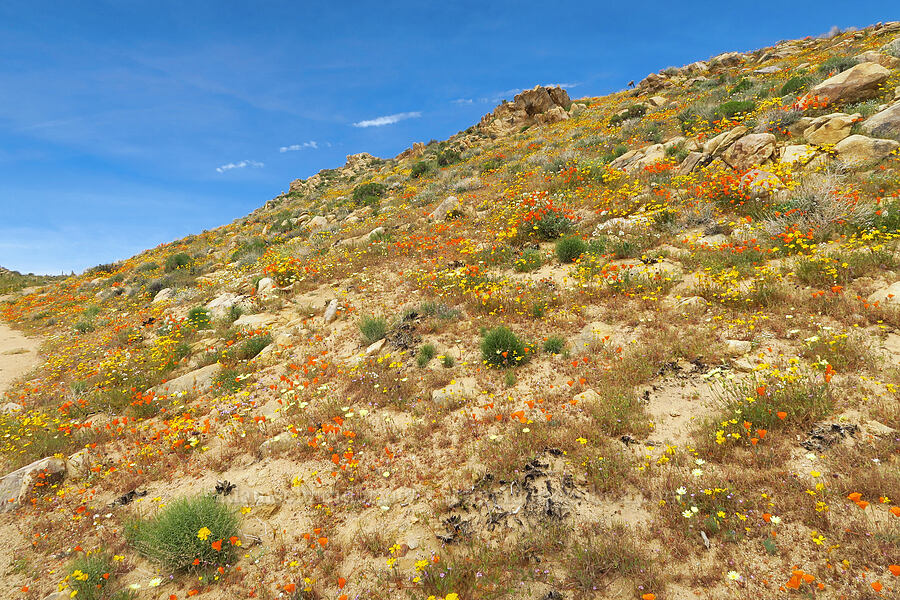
{"x":18,"y":354}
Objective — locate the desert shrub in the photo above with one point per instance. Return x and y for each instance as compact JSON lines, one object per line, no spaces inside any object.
{"x":447,"y":361}
{"x":234,"y":313}
{"x":552,"y":225}
{"x":729,"y":110}
{"x":500,"y":348}
{"x":439,"y":309}
{"x":741,"y":85}
{"x":199,"y":317}
{"x":837,"y":64}
{"x":530,"y":260}
{"x":794,"y":85}
{"x":448,"y":157}
{"x":426,"y":353}
{"x":188,"y":534}
{"x":631,"y":112}
{"x":147,"y":266}
{"x":249,"y":250}
{"x":372,"y":328}
{"x":177,"y":261}
{"x":226,"y":382}
{"x":91,"y":577}
{"x":368,"y":193}
{"x":569,"y":249}
{"x":422,"y":167}
{"x":83,"y":326}
{"x":495,"y":162}
{"x":251,"y":347}
{"x":652,"y":133}
{"x":554,"y":344}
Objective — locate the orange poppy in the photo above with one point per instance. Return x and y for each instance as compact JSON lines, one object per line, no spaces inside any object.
{"x":781,"y":415}
{"x":855,"y":497}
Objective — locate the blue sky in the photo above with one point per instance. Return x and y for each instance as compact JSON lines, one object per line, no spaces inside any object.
{"x":125,"y":124}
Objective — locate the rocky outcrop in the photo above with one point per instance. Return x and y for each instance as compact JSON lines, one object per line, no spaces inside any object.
{"x":538,"y":105}
{"x":884,"y":124}
{"x":444,"y":209}
{"x":750,"y":150}
{"x":858,"y":149}
{"x":15,"y":487}
{"x":830,"y":129}
{"x":198,"y":380}
{"x":857,"y":83}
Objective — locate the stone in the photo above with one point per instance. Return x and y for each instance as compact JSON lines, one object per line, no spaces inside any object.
{"x":858,"y":149}
{"x":459,"y":389}
{"x":331,"y":311}
{"x":220,"y":306}
{"x":652,"y":154}
{"x":760,"y":183}
{"x":163,"y":295}
{"x":255,"y":321}
{"x":856,"y":83}
{"x":271,"y":410}
{"x":14,"y":487}
{"x":316,"y":224}
{"x":657,"y":101}
{"x":653,"y":83}
{"x":552,"y":115}
{"x":197,"y":380}
{"x":830,"y":129}
{"x":587,"y":397}
{"x":690,"y":163}
{"x":797,"y":154}
{"x":375,"y":348}
{"x":447,"y":207}
{"x":78,"y":465}
{"x":265,"y":286}
{"x":892,"y":48}
{"x":884,"y":124}
{"x":278,"y":444}
{"x":724,"y":140}
{"x":738,"y":347}
{"x":509,"y":117}
{"x":750,"y":150}
{"x":375,"y":233}
{"x":886,"y":295}
{"x":890,"y":62}
{"x":11,"y":408}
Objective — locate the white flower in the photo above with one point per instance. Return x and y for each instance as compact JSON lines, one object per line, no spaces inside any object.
{"x":700,"y":462}
{"x":734,"y":576}
{"x":697,"y":472}
{"x":155,"y":582}
{"x":687,"y":514}
{"x":694,"y":509}
{"x":681,"y":491}
{"x":775,"y":520}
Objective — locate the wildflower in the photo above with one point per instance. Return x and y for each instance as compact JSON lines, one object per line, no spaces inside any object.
{"x":895,"y":570}
{"x":697,"y":472}
{"x":155,"y":582}
{"x":648,"y":597}
{"x":217,"y":545}
{"x":681,"y":491}
{"x":734,"y":576}
{"x":581,"y":441}
{"x":781,"y":415}
{"x":204,"y":533}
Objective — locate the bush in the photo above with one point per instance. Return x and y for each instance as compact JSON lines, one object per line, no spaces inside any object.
{"x":177,"y":261}
{"x":569,"y":249}
{"x":426,"y":353}
{"x":84,"y":326}
{"x":530,"y":260}
{"x":631,"y":112}
{"x":185,"y":534}
{"x":368,"y":193}
{"x":837,"y":64}
{"x":250,"y":348}
{"x":147,"y":266}
{"x":501,"y":348}
{"x":554,"y":344}
{"x":729,"y":110}
{"x":226,"y":382}
{"x":448,"y":157}
{"x":199,"y":317}
{"x":423,"y":167}
{"x":89,"y":577}
{"x":448,"y":361}
{"x":552,"y":225}
{"x":794,"y":85}
{"x":373,"y":328}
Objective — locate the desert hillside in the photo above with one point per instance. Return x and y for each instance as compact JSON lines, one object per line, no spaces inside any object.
{"x":639,"y":346}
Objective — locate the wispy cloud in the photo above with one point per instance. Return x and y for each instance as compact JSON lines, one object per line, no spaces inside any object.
{"x":564,"y":86}
{"x":462,"y":101}
{"x":507,"y":94}
{"x":239,"y":165}
{"x":388,"y":119}
{"x":294,"y":147}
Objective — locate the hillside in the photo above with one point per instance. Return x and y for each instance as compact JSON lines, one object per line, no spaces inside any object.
{"x":13,"y":281}
{"x":640,"y":346}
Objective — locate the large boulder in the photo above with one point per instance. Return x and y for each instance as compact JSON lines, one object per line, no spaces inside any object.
{"x":828,"y":130}
{"x":198,"y":380}
{"x":797,"y":154}
{"x":220,"y":306}
{"x":15,"y":486}
{"x":856,"y":83}
{"x":537,"y":105}
{"x":722,"y":141}
{"x":750,"y":150}
{"x":448,"y":206}
{"x":858,"y":149}
{"x":886,"y":295}
{"x":885,"y":123}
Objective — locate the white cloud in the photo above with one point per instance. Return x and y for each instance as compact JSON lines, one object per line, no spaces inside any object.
{"x":462,"y":101}
{"x":564,"y":86}
{"x":239,"y":165}
{"x":388,"y":119}
{"x":294,"y":147}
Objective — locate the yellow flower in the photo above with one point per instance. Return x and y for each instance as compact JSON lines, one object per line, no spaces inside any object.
{"x":203,"y":533}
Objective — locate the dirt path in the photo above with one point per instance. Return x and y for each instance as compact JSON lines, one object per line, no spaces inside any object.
{"x":18,"y":354}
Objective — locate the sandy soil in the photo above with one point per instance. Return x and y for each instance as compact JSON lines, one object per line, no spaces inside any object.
{"x":18,"y":354}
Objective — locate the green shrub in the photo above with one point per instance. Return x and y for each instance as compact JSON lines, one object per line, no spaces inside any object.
{"x":501,"y":348}
{"x":251,"y":249}
{"x":251,"y":347}
{"x":492,"y":163}
{"x":91,"y":576}
{"x":147,"y":266}
{"x":569,"y":249}
{"x":234,"y":313}
{"x":372,"y":328}
{"x":369,"y":193}
{"x":448,"y":157}
{"x":837,"y":64}
{"x":742,"y":85}
{"x":729,"y":110}
{"x":509,"y":379}
{"x":423,"y":167}
{"x":552,"y":225}
{"x":631,"y":112}
{"x":226,"y":382}
{"x":794,"y":85}
{"x":181,"y":535}
{"x":554,"y":344}
{"x":530,"y":260}
{"x":426,"y":353}
{"x":177,"y":261}
{"x":83,"y":326}
{"x":448,"y":361}
{"x":199,"y":317}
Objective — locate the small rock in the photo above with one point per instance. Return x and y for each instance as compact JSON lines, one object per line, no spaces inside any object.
{"x":163,"y":295}
{"x":738,"y":347}
{"x":857,"y":83}
{"x":331,"y":311}
{"x":445,"y":208}
{"x":860,"y":149}
{"x":587,"y":397}
{"x":15,"y":486}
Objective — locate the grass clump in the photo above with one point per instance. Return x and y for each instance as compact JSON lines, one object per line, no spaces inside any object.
{"x":91,"y":577}
{"x":250,"y":348}
{"x":177,"y":261}
{"x":426,"y":353}
{"x":423,"y":167}
{"x":501,"y":348}
{"x":794,"y":85}
{"x":554,"y":344}
{"x":729,"y":110}
{"x":372,"y":328}
{"x":199,"y":317}
{"x":569,"y":249}
{"x":604,"y":553}
{"x":837,"y":64}
{"x":368,"y":194}
{"x":189,"y":534}
{"x":530,"y":260}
